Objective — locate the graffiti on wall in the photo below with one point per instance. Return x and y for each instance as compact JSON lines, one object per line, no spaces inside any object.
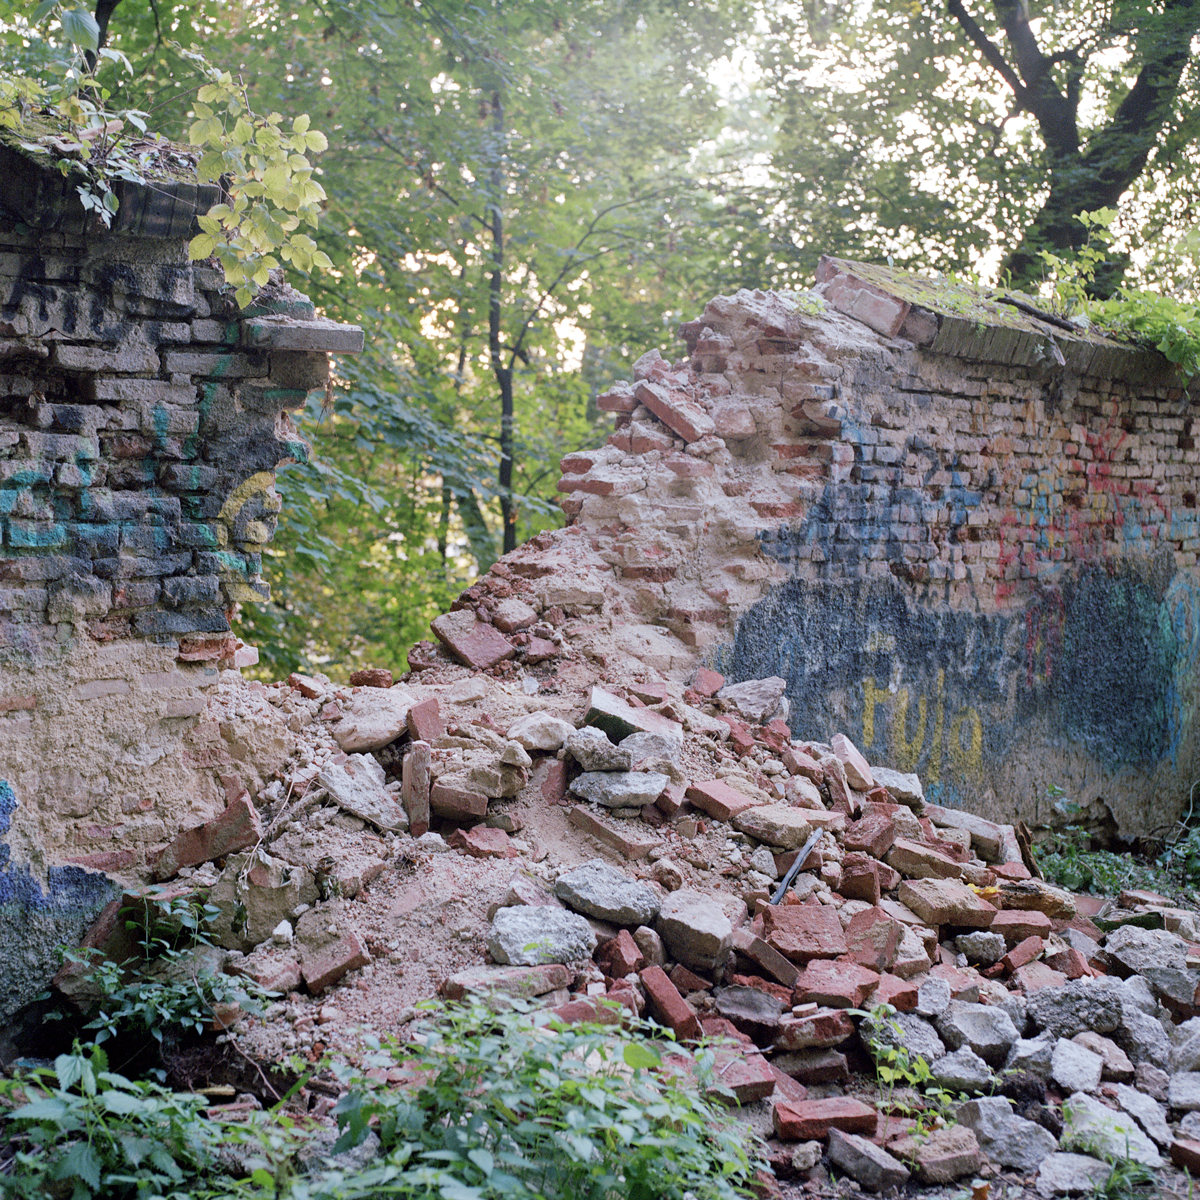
{"x":1103,"y":662}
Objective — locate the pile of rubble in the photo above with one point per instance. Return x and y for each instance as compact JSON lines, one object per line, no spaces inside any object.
{"x":460,"y":831}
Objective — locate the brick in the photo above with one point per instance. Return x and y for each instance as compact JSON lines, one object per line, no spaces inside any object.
{"x":1035,"y":975}
{"x":277,"y":971}
{"x":873,"y":939}
{"x":623,"y":836}
{"x":801,"y":763}
{"x":425,"y":722}
{"x":873,"y":834}
{"x":860,"y":879}
{"x":718,"y":799}
{"x":524,"y":982}
{"x":106,"y":860}
{"x":802,"y":932}
{"x":1185,"y":1153}
{"x":946,"y":902}
{"x":553,"y":784}
{"x":688,"y":981}
{"x":667,"y":1006}
{"x":217,"y":364}
{"x":822,"y":1029}
{"x":237,"y":828}
{"x":1016,"y":925}
{"x":916,"y":860}
{"x":15,"y":703}
{"x":1069,"y":962}
{"x":1025,"y":951}
{"x":837,"y":984}
{"x":324,"y":966}
{"x":482,"y":842}
{"x":316,"y":336}
{"x":130,"y":359}
{"x":858,"y":770}
{"x":376,"y":677}
{"x":815,"y":1066}
{"x":901,"y":994}
{"x":675,"y":410}
{"x":708,"y":682}
{"x":620,"y":956}
{"x":619,"y":719}
{"x":765,"y":956}
{"x":415,"y":787}
{"x":787,"y":1088}
{"x":457,"y":803}
{"x":747,"y":1075}
{"x":813,"y":1119}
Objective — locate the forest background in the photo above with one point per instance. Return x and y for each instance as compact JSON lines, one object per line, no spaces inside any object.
{"x":523,"y":196}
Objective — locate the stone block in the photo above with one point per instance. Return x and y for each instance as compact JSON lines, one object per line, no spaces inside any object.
{"x":874,"y":1169}
{"x":624,"y":837}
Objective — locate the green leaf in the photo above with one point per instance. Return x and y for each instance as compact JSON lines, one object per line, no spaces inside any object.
{"x":80,"y":1162}
{"x":641,"y":1056}
{"x":42,"y":11}
{"x":80,"y":29}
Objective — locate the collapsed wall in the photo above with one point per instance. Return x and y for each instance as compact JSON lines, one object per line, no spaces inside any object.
{"x":142,"y":417}
{"x":963,"y":532}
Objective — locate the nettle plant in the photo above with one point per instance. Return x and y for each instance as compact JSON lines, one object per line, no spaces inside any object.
{"x":65,"y":115}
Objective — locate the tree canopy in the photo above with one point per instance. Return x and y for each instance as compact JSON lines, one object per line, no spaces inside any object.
{"x":522,"y":196}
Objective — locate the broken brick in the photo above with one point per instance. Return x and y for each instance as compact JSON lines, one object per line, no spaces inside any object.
{"x":620,"y":956}
{"x":808,"y":1119}
{"x":802,"y":932}
{"x":667,"y":1006}
{"x":719,"y":800}
{"x":235,"y":829}
{"x":836,"y":984}
{"x":482,"y":842}
{"x":472,"y":641}
{"x":1025,"y":951}
{"x":457,"y":803}
{"x":425,"y":723}
{"x":324,"y":966}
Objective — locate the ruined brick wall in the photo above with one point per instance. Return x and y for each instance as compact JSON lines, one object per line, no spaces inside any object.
{"x":964,"y":535}
{"x":142,"y":418}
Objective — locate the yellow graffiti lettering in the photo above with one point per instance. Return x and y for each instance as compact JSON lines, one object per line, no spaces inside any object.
{"x":933,"y":772}
{"x":905,"y":753}
{"x":967,"y":761}
{"x":260,"y":481}
{"x":872,"y":695}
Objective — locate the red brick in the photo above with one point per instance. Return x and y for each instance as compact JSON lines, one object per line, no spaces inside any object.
{"x":275,"y":972}
{"x":482,"y":842}
{"x":688,"y":981}
{"x":809,"y":1119}
{"x":920,"y":860}
{"x":376,"y":677}
{"x":235,"y":829}
{"x":626,"y":837}
{"x":901,"y":994}
{"x":748,"y":1076}
{"x":620,"y":956}
{"x":822,"y":1029}
{"x":708,"y":683}
{"x":553,"y":784}
{"x":858,"y":770}
{"x":1037,"y":975}
{"x":803,"y":932}
{"x":1023,"y":952}
{"x":584,"y":1011}
{"x":786,"y":1087}
{"x":457,"y":803}
{"x":836,"y":983}
{"x":1070,"y":962}
{"x":1185,"y":1153}
{"x":1016,"y":925}
{"x":25,"y":703}
{"x":322,"y":968}
{"x":472,"y":641}
{"x":106,"y":860}
{"x":818,"y":1067}
{"x":672,"y":800}
{"x":800,"y":763}
{"x":1012,"y":870}
{"x":425,"y":722}
{"x":873,"y":835}
{"x":667,"y":1006}
{"x":619,"y":402}
{"x":415,"y":787}
{"x":741,"y":736}
{"x":765,"y":956}
{"x":860,"y":878}
{"x":718,"y":799}
{"x":653,"y":691}
{"x":873,"y":939}
{"x":716,"y":1027}
{"x":777,"y":990}
{"x":675,"y":410}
